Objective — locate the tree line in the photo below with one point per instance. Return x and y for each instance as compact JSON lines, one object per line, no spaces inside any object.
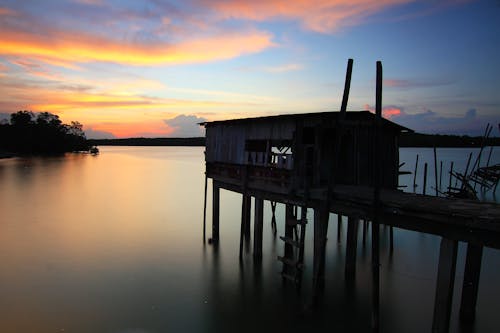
{"x":41,"y":133}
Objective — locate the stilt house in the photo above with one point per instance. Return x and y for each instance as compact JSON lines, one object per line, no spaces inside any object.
{"x":289,"y":153}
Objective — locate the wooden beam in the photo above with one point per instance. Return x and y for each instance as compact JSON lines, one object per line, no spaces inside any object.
{"x":471,"y":283}
{"x":351,"y":248}
{"x":444,"y":285}
{"x":215,"y":212}
{"x":320,"y":230}
{"x":258,"y":228}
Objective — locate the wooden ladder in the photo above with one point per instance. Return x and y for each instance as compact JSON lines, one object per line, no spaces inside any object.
{"x":293,"y":258}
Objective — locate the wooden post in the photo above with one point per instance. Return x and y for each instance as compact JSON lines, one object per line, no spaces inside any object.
{"x":451,"y":174}
{"x":440,"y":174}
{"x":391,"y":239}
{"x":347,"y":86}
{"x":471,"y":283}
{"x":247,"y":213}
{"x":339,"y":227}
{"x":245,"y":221}
{"x":435,"y":172}
{"x":376,"y":202}
{"x":351,"y":247}
{"x":444,"y":285}
{"x":320,"y":230}
{"x":425,"y":179}
{"x":415,"y":175}
{"x":205,"y":212}
{"x":258,"y":228}
{"x":289,"y":250}
{"x":215,"y":212}
{"x":273,"y":217}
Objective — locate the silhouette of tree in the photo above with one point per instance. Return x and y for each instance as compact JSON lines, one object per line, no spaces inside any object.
{"x":41,"y":134}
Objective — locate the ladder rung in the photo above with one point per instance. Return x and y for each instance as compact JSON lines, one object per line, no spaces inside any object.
{"x":290,"y":277}
{"x":294,"y":221}
{"x":290,"y":241}
{"x":290,"y":262}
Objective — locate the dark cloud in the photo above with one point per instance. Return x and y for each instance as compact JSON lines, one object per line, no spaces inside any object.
{"x":94,"y":134}
{"x":186,"y":126}
{"x":471,"y":123}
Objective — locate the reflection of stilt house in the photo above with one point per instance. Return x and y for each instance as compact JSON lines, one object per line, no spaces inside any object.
{"x":285,"y":154}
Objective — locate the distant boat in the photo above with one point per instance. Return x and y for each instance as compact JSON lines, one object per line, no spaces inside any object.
{"x":94,"y":150}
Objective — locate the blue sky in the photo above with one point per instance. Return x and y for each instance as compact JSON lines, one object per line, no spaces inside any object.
{"x":154,"y":68}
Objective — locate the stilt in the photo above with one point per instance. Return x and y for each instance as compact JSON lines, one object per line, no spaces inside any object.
{"x":415,"y":175}
{"x":365,"y":229}
{"x":351,"y":247}
{"x":444,"y":285}
{"x":215,"y":212}
{"x":247,"y":206}
{"x":273,"y":217}
{"x":391,"y":239}
{"x":471,"y":283}
{"x":339,"y":227}
{"x":375,"y":275}
{"x":289,"y":246}
{"x":205,"y":211}
{"x":425,"y":179}
{"x":258,"y":228}
{"x":320,"y":230}
{"x":245,"y":222}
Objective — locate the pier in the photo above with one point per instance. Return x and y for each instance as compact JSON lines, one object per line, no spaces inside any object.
{"x":346,"y":163}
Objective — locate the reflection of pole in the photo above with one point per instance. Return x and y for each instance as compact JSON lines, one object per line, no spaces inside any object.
{"x":205,"y":212}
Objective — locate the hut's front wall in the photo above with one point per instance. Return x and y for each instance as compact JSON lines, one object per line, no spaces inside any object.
{"x":307,"y":147}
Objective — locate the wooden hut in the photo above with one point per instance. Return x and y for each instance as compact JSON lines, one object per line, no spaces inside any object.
{"x":287,"y":153}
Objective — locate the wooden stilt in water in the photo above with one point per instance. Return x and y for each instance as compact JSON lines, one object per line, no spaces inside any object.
{"x":339,"y":227}
{"x":391,"y":239}
{"x":415,"y":175}
{"x":376,"y":202}
{"x":320,"y":230}
{"x":351,"y":248}
{"x":425,"y":179}
{"x":471,"y":283}
{"x":440,"y":174}
{"x":365,"y":228}
{"x":273,"y":217}
{"x":289,"y":246}
{"x":215,"y":212}
{"x":435,"y":172}
{"x":444,"y":285}
{"x":258,"y":228}
{"x":205,"y":211}
{"x":247,"y":213}
{"x":451,"y":174}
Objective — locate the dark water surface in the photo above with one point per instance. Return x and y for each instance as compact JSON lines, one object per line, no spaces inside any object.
{"x":113,"y":243}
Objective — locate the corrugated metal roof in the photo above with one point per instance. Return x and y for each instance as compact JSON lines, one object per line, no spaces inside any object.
{"x":350,"y":115}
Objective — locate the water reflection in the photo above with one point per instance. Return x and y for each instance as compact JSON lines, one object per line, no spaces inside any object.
{"x":113,"y":244}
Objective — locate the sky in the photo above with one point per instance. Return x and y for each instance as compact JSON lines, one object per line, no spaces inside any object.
{"x":152,"y":68}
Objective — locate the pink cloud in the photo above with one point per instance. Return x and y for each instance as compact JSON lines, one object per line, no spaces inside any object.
{"x":324,"y":16}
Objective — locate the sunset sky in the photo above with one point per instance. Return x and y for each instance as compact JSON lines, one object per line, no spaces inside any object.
{"x":155,"y":68}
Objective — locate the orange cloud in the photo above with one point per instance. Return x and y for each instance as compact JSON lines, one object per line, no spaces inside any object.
{"x":321,"y":16}
{"x":74,"y":47}
{"x":388,"y":112}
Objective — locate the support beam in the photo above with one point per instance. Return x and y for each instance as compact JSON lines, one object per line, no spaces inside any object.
{"x":215,"y":212}
{"x":258,"y":228}
{"x":351,"y":248}
{"x":289,"y":248}
{"x":246,"y":208}
{"x":444,"y":285}
{"x":339,"y":227}
{"x":320,"y":230}
{"x":471,"y":283}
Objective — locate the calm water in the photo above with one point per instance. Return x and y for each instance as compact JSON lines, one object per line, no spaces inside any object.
{"x":113,"y":243}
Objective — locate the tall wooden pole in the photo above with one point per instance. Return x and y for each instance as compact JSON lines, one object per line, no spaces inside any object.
{"x":347,"y":86}
{"x":205,"y":212}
